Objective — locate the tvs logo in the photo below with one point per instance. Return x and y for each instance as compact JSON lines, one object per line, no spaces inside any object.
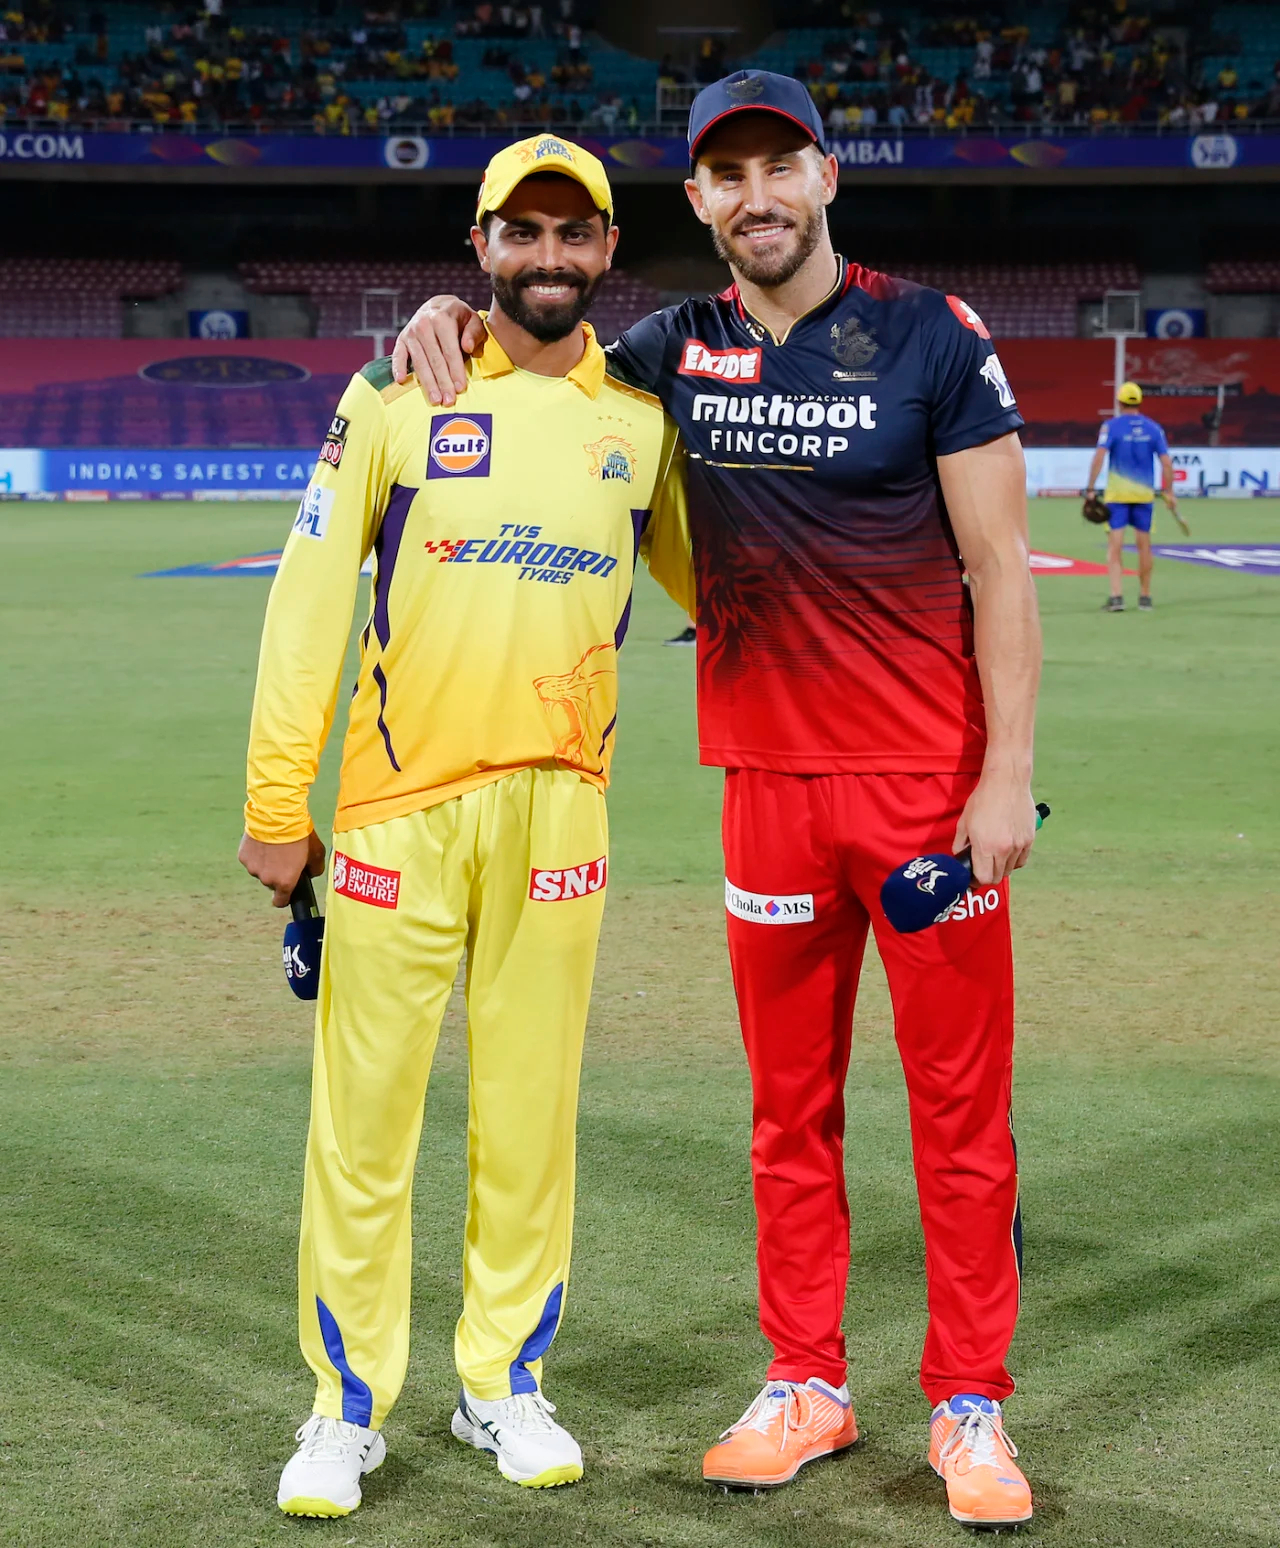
{"x":460,"y":446}
{"x":611,"y":458}
{"x":576,"y":881}
{"x":729,"y":365}
{"x":769,"y":908}
{"x":968,"y":316}
{"x":365,"y":883}
{"x":334,"y":441}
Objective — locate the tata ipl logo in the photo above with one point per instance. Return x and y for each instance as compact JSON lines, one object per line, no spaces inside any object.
{"x":460,"y":445}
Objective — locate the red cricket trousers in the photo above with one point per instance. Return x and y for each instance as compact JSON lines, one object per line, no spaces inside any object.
{"x":804,"y":860}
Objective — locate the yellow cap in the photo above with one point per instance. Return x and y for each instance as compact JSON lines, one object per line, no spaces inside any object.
{"x":1129,"y":392}
{"x":543,"y":153}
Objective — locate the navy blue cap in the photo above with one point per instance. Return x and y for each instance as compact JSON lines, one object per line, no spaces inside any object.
{"x":754,"y":91}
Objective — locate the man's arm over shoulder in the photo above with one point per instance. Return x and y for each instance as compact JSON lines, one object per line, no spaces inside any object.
{"x":304,"y":636}
{"x":638,"y":356}
{"x":666,"y":546}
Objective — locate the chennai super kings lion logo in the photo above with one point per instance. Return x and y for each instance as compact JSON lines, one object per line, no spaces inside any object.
{"x":611,"y":458}
{"x":580,"y":707}
{"x":548,"y":145}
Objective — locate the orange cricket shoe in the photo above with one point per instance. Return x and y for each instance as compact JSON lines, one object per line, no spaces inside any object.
{"x":787,"y":1426}
{"x":970,"y":1452}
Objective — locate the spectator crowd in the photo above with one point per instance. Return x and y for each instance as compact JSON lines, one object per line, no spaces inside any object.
{"x":208,"y":69}
{"x":1112,"y":63}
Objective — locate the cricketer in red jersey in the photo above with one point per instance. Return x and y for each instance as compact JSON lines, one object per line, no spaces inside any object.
{"x":852,"y":451}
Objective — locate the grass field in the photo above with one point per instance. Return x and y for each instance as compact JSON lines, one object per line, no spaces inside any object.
{"x":154,"y":1088}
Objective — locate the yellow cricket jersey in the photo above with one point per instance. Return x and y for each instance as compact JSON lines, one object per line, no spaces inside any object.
{"x":504,"y":533}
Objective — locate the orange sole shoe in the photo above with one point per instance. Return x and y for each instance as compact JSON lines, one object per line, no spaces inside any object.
{"x":787,"y":1427}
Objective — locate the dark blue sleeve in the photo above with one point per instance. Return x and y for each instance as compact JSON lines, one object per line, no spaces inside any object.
{"x":638,"y":356}
{"x":970,"y":399}
{"x":1161,"y":439}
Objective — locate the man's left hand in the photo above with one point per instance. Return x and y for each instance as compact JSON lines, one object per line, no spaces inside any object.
{"x":997,"y":827}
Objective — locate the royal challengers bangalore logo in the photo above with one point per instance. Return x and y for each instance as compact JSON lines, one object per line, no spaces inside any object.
{"x":460,"y":446}
{"x":611,"y":458}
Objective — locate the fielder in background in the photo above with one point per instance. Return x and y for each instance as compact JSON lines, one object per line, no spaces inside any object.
{"x":471,"y":813}
{"x":1134,"y":444}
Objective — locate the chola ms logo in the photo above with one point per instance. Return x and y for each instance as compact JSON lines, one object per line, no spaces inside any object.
{"x":730,"y":365}
{"x":365,"y":883}
{"x":611,"y":458}
{"x":768,"y":907}
{"x":575,"y":881}
{"x":460,"y":445}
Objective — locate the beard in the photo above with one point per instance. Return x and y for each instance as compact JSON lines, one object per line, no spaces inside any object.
{"x":546,"y":322}
{"x":769,"y":270}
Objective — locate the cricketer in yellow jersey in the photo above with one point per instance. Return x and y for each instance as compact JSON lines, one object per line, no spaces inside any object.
{"x":471,"y":812}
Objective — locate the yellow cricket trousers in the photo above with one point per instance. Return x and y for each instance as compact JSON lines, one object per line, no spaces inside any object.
{"x":514,"y":872}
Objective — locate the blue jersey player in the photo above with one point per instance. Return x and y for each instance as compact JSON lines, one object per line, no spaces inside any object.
{"x":1135,"y":444}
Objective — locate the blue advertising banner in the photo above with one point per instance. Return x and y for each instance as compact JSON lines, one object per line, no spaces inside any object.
{"x":144,"y":471}
{"x":470,"y":153}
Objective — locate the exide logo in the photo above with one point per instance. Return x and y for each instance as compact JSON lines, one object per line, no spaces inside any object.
{"x":729,"y":365}
{"x":575,"y":881}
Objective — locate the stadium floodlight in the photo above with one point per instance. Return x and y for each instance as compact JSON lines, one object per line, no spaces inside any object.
{"x":1121,"y":320}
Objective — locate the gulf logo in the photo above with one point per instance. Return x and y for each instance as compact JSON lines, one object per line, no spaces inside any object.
{"x":460,"y":445}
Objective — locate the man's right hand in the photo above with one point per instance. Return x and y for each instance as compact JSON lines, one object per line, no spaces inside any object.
{"x":278,"y":866}
{"x":433,"y":344}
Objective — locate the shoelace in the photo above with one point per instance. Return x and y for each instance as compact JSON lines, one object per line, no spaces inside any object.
{"x":977,"y":1434}
{"x":774,"y":1395}
{"x":326,"y":1440}
{"x":528,"y":1412}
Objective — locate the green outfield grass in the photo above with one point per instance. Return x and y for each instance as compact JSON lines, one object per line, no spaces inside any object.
{"x":154,"y":1087}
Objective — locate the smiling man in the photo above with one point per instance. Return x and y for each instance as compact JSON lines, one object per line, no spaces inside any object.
{"x":471,"y":813}
{"x":853,"y":451}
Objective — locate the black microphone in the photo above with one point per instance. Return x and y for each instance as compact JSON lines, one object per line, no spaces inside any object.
{"x":303,"y":939}
{"x":921,"y":892}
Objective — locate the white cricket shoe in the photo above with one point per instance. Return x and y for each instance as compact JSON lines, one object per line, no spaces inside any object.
{"x":322,"y":1478}
{"x":531,"y":1448}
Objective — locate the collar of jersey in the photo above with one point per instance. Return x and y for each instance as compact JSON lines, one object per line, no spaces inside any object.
{"x":587,"y":375}
{"x":841,"y":284}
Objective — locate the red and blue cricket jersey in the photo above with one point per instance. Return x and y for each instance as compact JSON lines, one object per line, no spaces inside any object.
{"x":835,"y":633}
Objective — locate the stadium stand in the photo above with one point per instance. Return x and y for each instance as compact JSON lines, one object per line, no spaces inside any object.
{"x":1027,"y":301}
{"x":1232,"y":277}
{"x":76,"y":298}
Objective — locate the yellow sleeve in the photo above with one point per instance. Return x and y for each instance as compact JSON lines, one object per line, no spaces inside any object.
{"x":667,"y":547}
{"x":304,"y":637}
